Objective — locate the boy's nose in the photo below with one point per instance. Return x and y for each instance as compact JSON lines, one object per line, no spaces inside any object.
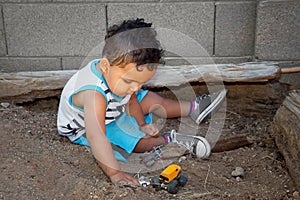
{"x":135,"y":88}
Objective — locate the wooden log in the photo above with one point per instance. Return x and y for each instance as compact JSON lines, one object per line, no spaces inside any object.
{"x":231,"y":143}
{"x":286,"y":131}
{"x":26,"y":86}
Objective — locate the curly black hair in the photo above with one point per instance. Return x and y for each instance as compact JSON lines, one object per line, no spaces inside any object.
{"x":133,"y":41}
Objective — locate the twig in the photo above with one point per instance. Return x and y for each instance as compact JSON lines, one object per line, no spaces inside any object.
{"x":205,"y":181}
{"x":195,"y":195}
{"x":233,"y":113}
{"x":270,"y":158}
{"x":277,"y":161}
{"x":137,"y":174}
{"x":290,"y":70}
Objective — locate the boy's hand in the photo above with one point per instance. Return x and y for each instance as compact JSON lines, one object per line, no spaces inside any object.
{"x":123,"y":177}
{"x":149,"y":129}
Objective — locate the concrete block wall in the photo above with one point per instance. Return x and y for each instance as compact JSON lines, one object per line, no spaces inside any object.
{"x":65,"y":34}
{"x":278,"y":30}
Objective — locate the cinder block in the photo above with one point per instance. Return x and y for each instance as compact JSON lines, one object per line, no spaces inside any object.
{"x":164,"y":1}
{"x":2,"y":37}
{"x":185,"y":29}
{"x":53,"y":29}
{"x":72,"y":62}
{"x":278,"y":30}
{"x":27,"y":1}
{"x":105,"y":1}
{"x":206,"y":60}
{"x":234,"y":60}
{"x":235,"y":28}
{"x":77,"y":62}
{"x":8,"y":64}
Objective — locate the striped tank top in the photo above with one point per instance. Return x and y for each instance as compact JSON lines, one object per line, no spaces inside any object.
{"x":70,"y":118}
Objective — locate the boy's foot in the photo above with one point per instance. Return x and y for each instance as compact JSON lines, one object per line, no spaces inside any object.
{"x":196,"y":145}
{"x":206,"y":104}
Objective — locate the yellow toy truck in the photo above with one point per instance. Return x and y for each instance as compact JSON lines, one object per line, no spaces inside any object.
{"x":170,"y":179}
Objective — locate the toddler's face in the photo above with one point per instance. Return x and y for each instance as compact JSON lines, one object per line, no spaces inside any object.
{"x":127,"y":80}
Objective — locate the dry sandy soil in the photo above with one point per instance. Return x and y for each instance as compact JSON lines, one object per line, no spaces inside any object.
{"x":36,"y":163}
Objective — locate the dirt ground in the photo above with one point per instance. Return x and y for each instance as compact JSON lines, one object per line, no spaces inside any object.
{"x":37,"y":163}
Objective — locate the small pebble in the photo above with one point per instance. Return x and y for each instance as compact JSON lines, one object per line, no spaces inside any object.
{"x":197,"y":195}
{"x":76,"y":162}
{"x":238,"y":172}
{"x":5,"y":104}
{"x":225,"y":158}
{"x":182,"y":158}
{"x":239,"y":179}
{"x":262,"y":144}
{"x":296,"y":194}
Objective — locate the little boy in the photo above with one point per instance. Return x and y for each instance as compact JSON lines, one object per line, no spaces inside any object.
{"x":104,"y":107}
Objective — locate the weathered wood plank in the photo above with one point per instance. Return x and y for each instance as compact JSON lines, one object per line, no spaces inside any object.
{"x":245,"y":72}
{"x":20,"y":84}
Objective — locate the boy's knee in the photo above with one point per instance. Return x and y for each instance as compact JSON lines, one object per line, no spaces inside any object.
{"x":148,"y":143}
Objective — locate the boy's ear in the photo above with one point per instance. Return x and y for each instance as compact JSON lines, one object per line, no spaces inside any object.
{"x":104,"y":65}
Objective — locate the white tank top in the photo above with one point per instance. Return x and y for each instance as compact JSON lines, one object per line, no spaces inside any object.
{"x":70,"y":118}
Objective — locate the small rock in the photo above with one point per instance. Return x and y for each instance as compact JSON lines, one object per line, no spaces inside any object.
{"x":197,"y":195}
{"x":296,"y":194}
{"x":76,"y":162}
{"x":123,"y":194}
{"x":5,"y":104}
{"x":225,"y":158}
{"x":261,"y":144}
{"x":239,"y":179}
{"x":182,"y":158}
{"x":238,"y":172}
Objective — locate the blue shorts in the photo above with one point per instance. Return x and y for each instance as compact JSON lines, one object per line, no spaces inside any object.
{"x":124,"y":133}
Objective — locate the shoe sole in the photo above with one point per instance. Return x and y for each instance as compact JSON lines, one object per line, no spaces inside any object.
{"x":212,"y":106}
{"x":199,"y":151}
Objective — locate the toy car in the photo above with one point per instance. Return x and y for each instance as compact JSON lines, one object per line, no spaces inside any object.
{"x":170,"y":179}
{"x":144,"y":181}
{"x":149,"y":158}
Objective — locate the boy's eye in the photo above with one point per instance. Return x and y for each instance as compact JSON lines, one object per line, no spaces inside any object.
{"x":127,"y":81}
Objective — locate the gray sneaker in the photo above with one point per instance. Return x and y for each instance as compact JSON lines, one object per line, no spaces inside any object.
{"x":206,"y":104}
{"x":196,"y":145}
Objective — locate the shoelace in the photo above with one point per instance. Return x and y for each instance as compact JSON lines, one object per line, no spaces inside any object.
{"x":187,"y":145}
{"x":203,"y":96}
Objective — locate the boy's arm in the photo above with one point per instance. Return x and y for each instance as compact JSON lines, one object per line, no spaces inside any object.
{"x":94,"y":115}
{"x":135,"y":110}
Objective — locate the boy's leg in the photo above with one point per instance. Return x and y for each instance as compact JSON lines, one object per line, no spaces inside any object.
{"x":198,"y":109}
{"x":196,"y":145}
{"x":163,"y":107}
{"x":169,"y":108}
{"x":148,"y":143}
